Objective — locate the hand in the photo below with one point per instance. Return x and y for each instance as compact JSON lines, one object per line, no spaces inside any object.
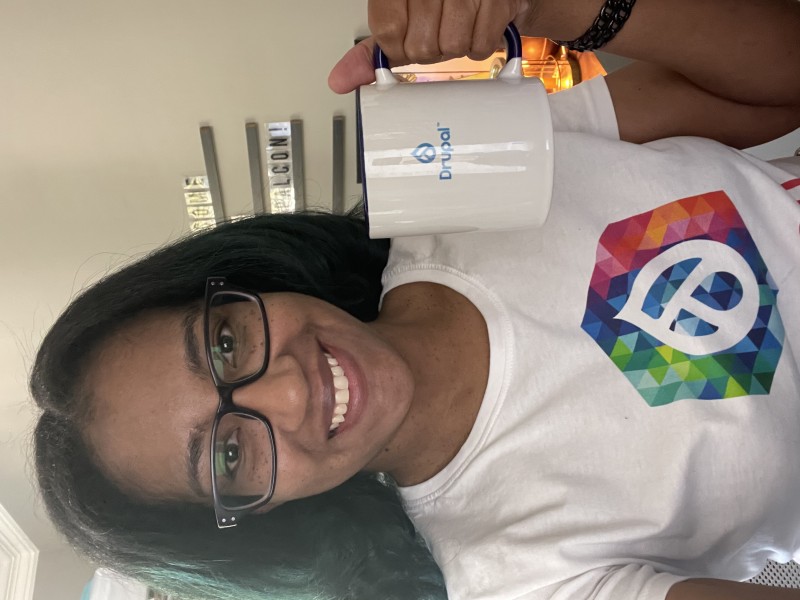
{"x":428,"y":31}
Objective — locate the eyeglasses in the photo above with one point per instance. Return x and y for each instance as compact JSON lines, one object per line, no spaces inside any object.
{"x":243,"y":458}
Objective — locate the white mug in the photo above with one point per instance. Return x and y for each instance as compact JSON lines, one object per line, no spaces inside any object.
{"x":455,"y":156}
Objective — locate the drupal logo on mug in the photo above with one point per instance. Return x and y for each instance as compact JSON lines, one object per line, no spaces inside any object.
{"x":424,"y":153}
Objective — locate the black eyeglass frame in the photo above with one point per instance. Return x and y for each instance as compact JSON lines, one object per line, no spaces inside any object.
{"x":214,"y":286}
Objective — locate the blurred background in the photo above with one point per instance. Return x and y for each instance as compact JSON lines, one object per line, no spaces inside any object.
{"x":100,"y":106}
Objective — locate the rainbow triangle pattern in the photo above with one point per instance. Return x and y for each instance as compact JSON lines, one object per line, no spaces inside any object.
{"x":661,"y":374}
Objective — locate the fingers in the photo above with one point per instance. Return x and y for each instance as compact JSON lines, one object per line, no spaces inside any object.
{"x":421,"y":44}
{"x":457,"y":26}
{"x":423,"y":31}
{"x":427,"y":31}
{"x":388,"y":22}
{"x":354,"y":69}
{"x":490,"y":23}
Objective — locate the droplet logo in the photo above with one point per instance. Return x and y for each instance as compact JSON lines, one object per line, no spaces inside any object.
{"x":424,"y":153}
{"x":729,"y":324}
{"x":682,"y":303}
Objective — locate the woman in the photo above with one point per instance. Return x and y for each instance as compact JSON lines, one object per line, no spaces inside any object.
{"x":572,"y":412}
{"x":368,"y":548}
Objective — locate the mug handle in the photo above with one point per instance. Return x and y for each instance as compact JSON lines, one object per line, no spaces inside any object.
{"x":512,"y":69}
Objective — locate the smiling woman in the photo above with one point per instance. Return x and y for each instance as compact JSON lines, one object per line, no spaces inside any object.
{"x":357,"y":530}
{"x":579,"y":411}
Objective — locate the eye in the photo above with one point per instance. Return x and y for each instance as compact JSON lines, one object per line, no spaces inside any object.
{"x":228,"y":454}
{"x":226,"y":344}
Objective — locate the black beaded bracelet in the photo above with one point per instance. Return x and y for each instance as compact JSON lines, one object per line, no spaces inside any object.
{"x":607,"y":24}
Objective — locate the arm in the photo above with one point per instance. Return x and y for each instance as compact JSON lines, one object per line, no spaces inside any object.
{"x":652,"y":102}
{"x":718,"y":589}
{"x":724,"y":69}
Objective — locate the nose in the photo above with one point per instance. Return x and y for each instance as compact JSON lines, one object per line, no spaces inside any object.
{"x":281,"y":394}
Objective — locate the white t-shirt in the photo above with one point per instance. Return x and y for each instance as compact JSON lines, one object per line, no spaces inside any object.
{"x":641,"y":422}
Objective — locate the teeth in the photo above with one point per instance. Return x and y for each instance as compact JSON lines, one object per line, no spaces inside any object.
{"x":341,"y":384}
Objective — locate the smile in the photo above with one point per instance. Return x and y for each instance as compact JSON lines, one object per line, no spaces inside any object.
{"x":342,"y":394}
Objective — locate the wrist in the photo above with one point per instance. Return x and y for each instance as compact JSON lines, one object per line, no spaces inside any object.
{"x":612,"y":18}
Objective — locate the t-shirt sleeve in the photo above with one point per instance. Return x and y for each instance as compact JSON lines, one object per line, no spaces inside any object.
{"x":790,"y":164}
{"x":624,"y":582}
{"x":585,"y":108}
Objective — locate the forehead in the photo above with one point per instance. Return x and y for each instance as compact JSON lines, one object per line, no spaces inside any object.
{"x":147,"y":399}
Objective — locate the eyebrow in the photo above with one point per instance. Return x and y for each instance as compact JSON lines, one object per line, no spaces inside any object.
{"x":194,"y":451}
{"x":191,"y":347}
{"x":194,"y":448}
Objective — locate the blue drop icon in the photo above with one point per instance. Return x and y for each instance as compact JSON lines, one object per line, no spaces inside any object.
{"x":424,"y":153}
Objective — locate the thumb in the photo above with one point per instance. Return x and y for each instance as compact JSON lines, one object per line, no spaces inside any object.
{"x":354,"y":69}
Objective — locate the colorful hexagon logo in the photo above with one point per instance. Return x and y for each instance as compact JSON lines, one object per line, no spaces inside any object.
{"x":682,"y":303}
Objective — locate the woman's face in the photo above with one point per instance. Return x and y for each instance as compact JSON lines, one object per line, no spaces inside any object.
{"x":154,"y":401}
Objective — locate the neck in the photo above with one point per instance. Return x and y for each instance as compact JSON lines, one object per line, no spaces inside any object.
{"x":444,"y":341}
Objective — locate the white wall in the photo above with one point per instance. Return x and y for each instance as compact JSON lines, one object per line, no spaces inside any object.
{"x":61,"y":575}
{"x":785,"y":146}
{"x":100,"y":102}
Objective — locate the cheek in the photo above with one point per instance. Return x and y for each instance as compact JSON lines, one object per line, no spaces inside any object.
{"x":302,"y":474}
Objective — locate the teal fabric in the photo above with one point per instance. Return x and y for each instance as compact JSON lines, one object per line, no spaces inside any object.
{"x":87,"y":590}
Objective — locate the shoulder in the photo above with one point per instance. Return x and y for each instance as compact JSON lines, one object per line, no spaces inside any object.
{"x":585,"y":108}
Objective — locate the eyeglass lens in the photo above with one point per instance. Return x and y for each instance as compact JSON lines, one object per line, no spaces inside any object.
{"x":243,"y":445}
{"x":236,"y":336}
{"x":242,"y":461}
